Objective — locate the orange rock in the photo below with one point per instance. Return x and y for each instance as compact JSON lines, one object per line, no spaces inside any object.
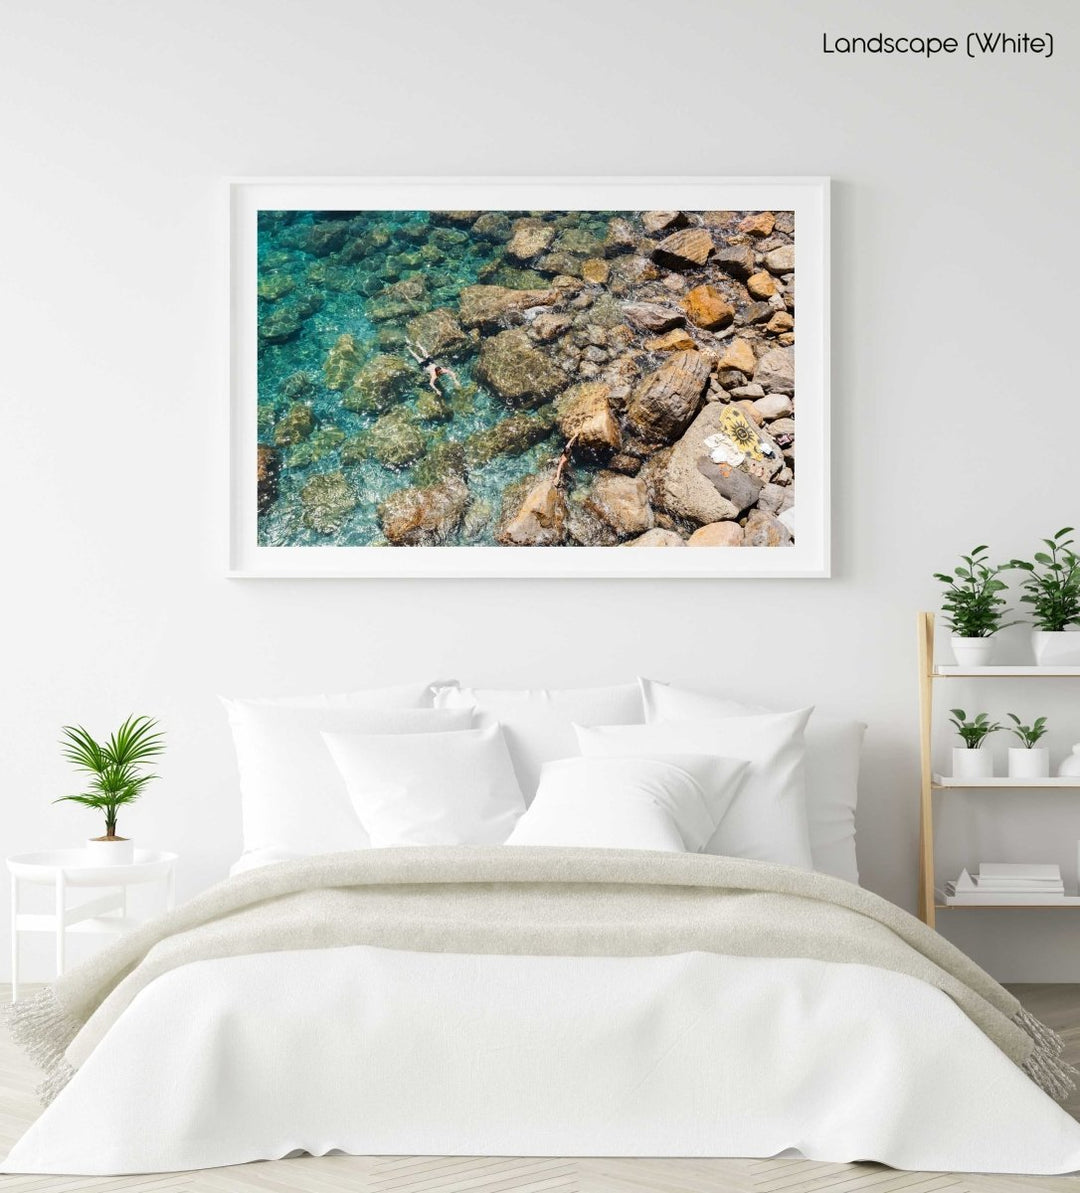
{"x":758,"y":223}
{"x":752,"y":412}
{"x":781,"y":321}
{"x":739,"y":355}
{"x":674,"y":341}
{"x":707,"y":307}
{"x":595,"y":270}
{"x":717,"y":534}
{"x":761,"y":285}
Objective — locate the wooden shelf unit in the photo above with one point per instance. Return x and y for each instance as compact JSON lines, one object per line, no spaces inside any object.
{"x":931,"y":782}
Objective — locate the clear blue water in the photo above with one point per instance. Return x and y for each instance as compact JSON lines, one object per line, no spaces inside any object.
{"x":320,"y":295}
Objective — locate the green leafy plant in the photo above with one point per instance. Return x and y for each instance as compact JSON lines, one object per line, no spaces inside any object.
{"x":975,"y":732}
{"x":115,"y":767}
{"x":973,"y":603}
{"x":1052,"y":586}
{"x":1028,"y":734}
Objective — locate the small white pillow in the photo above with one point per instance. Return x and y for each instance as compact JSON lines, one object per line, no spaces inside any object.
{"x":672,"y":803}
{"x":539,"y":722}
{"x":430,"y":788}
{"x":292,"y":796}
{"x":767,"y":818}
{"x":833,"y":755}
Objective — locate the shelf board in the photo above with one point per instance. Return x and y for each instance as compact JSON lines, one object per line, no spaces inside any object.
{"x":942,"y":781}
{"x":943,"y":671}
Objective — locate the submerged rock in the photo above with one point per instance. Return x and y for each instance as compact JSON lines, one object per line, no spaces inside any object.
{"x":424,"y":517}
{"x":534,"y":514}
{"x":326,"y":237}
{"x":324,"y":441}
{"x":548,"y":326}
{"x":622,"y":502}
{"x":494,"y":226}
{"x":660,"y":221}
{"x":485,"y":306}
{"x":531,"y":237}
{"x":269,"y":467}
{"x":273,"y":286}
{"x":585,"y":413}
{"x":342,"y":361}
{"x":379,"y":383}
{"x":651,"y":316}
{"x":296,"y":424}
{"x":509,"y":436}
{"x":395,"y":440}
{"x":443,"y":461}
{"x":706,"y":307}
{"x":620,"y":237}
{"x":438,"y":333}
{"x":685,"y":249}
{"x":328,"y":499}
{"x":281,"y":324}
{"x":664,"y":403}
{"x":522,"y":375}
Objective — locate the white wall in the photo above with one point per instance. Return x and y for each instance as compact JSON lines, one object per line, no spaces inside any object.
{"x":955,"y":412}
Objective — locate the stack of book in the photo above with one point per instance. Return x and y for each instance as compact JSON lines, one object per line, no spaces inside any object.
{"x":1007,"y":882}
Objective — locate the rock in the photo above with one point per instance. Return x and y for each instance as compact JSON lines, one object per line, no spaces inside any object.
{"x":297,"y":423}
{"x":327,"y":500}
{"x":595,"y":270}
{"x":522,"y":375}
{"x":773,"y":406}
{"x":787,"y":339}
{"x":737,"y":485}
{"x":297,"y":385}
{"x":634,"y":270}
{"x":781,"y":321}
{"x":273,"y":286}
{"x":395,"y":440}
{"x":737,"y":259}
{"x":531,"y":238}
{"x":324,"y":441}
{"x":756,"y":312}
{"x":424,"y":517}
{"x":683,"y":490}
{"x":438,"y":333}
{"x":560,"y":262}
{"x":706,"y":307}
{"x":747,"y":391}
{"x":282,"y":324}
{"x":775,"y":371}
{"x":341,"y":364}
{"x":751,"y":411}
{"x":775,"y":498}
{"x":622,"y":502}
{"x":547,"y":326}
{"x":665,"y":402}
{"x":624,"y":463}
{"x":717,"y":534}
{"x":485,"y":306}
{"x":685,"y":249}
{"x":379,"y":383}
{"x":657,"y":538}
{"x":781,"y":260}
{"x":738,"y":355}
{"x":509,"y":436}
{"x":456,"y":217}
{"x":761,"y":285}
{"x":585,"y":413}
{"x":493,"y":225}
{"x":326,"y":237}
{"x":765,"y":530}
{"x":620,"y":238}
{"x":651,"y":316}
{"x":673,"y":341}
{"x":478,"y":515}
{"x":432,"y":407}
{"x":658,"y":221}
{"x":758,"y":223}
{"x":731,"y":379}
{"x":445,"y":460}
{"x":269,"y":467}
{"x":538,"y":519}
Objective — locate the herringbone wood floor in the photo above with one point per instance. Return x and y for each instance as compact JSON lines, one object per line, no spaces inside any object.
{"x":1057,"y":1005}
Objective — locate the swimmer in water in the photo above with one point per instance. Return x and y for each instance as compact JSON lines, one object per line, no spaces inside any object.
{"x":423,"y":358}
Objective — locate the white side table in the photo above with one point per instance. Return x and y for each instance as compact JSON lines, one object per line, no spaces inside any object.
{"x":63,"y":869}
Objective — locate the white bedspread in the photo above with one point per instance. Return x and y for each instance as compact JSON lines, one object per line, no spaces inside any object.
{"x":418,"y":1053}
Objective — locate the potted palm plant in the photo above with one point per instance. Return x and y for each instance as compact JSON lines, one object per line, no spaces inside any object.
{"x":1029,"y":760}
{"x":1052,"y":589}
{"x":973,"y":607}
{"x":970,"y":761}
{"x":117,"y":778}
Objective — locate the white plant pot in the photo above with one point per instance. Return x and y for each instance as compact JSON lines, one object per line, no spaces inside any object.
{"x":1029,"y":764}
{"x":972,"y":652}
{"x":1056,"y":648}
{"x":972,"y":764}
{"x":120,"y":852}
{"x":1070,"y":765}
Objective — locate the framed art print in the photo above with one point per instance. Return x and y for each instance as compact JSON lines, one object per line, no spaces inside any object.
{"x":529,"y":377}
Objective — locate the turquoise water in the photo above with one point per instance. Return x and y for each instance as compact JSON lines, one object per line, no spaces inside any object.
{"x":324,"y":274}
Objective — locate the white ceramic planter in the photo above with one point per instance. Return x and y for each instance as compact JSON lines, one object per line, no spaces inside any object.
{"x":972,"y":764}
{"x":972,"y":652}
{"x":1029,"y":764}
{"x":120,"y":852}
{"x":1070,"y":765}
{"x":1056,"y":648}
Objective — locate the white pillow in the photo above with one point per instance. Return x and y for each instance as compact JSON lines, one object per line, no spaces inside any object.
{"x":672,"y":803}
{"x":833,"y":751}
{"x":767,"y":818}
{"x":292,"y":796}
{"x":539,"y":722}
{"x":404,"y":695}
{"x":430,"y":788}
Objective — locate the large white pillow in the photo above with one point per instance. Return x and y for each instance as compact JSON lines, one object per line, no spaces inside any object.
{"x":403,"y":695}
{"x":292,"y":796}
{"x":673,"y":803}
{"x":833,"y":752}
{"x":431,"y":788}
{"x":767,"y":818}
{"x":539,"y":722}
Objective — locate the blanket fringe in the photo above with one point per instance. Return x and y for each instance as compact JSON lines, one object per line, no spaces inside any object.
{"x":43,"y":1030}
{"x":1046,"y":1065}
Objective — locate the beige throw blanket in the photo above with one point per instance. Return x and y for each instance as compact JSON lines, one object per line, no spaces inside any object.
{"x":526,"y":901}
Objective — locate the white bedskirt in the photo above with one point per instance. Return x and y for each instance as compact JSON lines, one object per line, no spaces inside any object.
{"x":374,"y":1051}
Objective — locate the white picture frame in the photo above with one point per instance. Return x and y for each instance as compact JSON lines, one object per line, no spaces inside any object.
{"x":807,"y":197}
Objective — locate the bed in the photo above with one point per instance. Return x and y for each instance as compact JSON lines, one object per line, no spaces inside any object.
{"x":607,"y":966}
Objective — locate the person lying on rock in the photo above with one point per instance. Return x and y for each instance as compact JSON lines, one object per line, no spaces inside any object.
{"x":423,"y":358}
